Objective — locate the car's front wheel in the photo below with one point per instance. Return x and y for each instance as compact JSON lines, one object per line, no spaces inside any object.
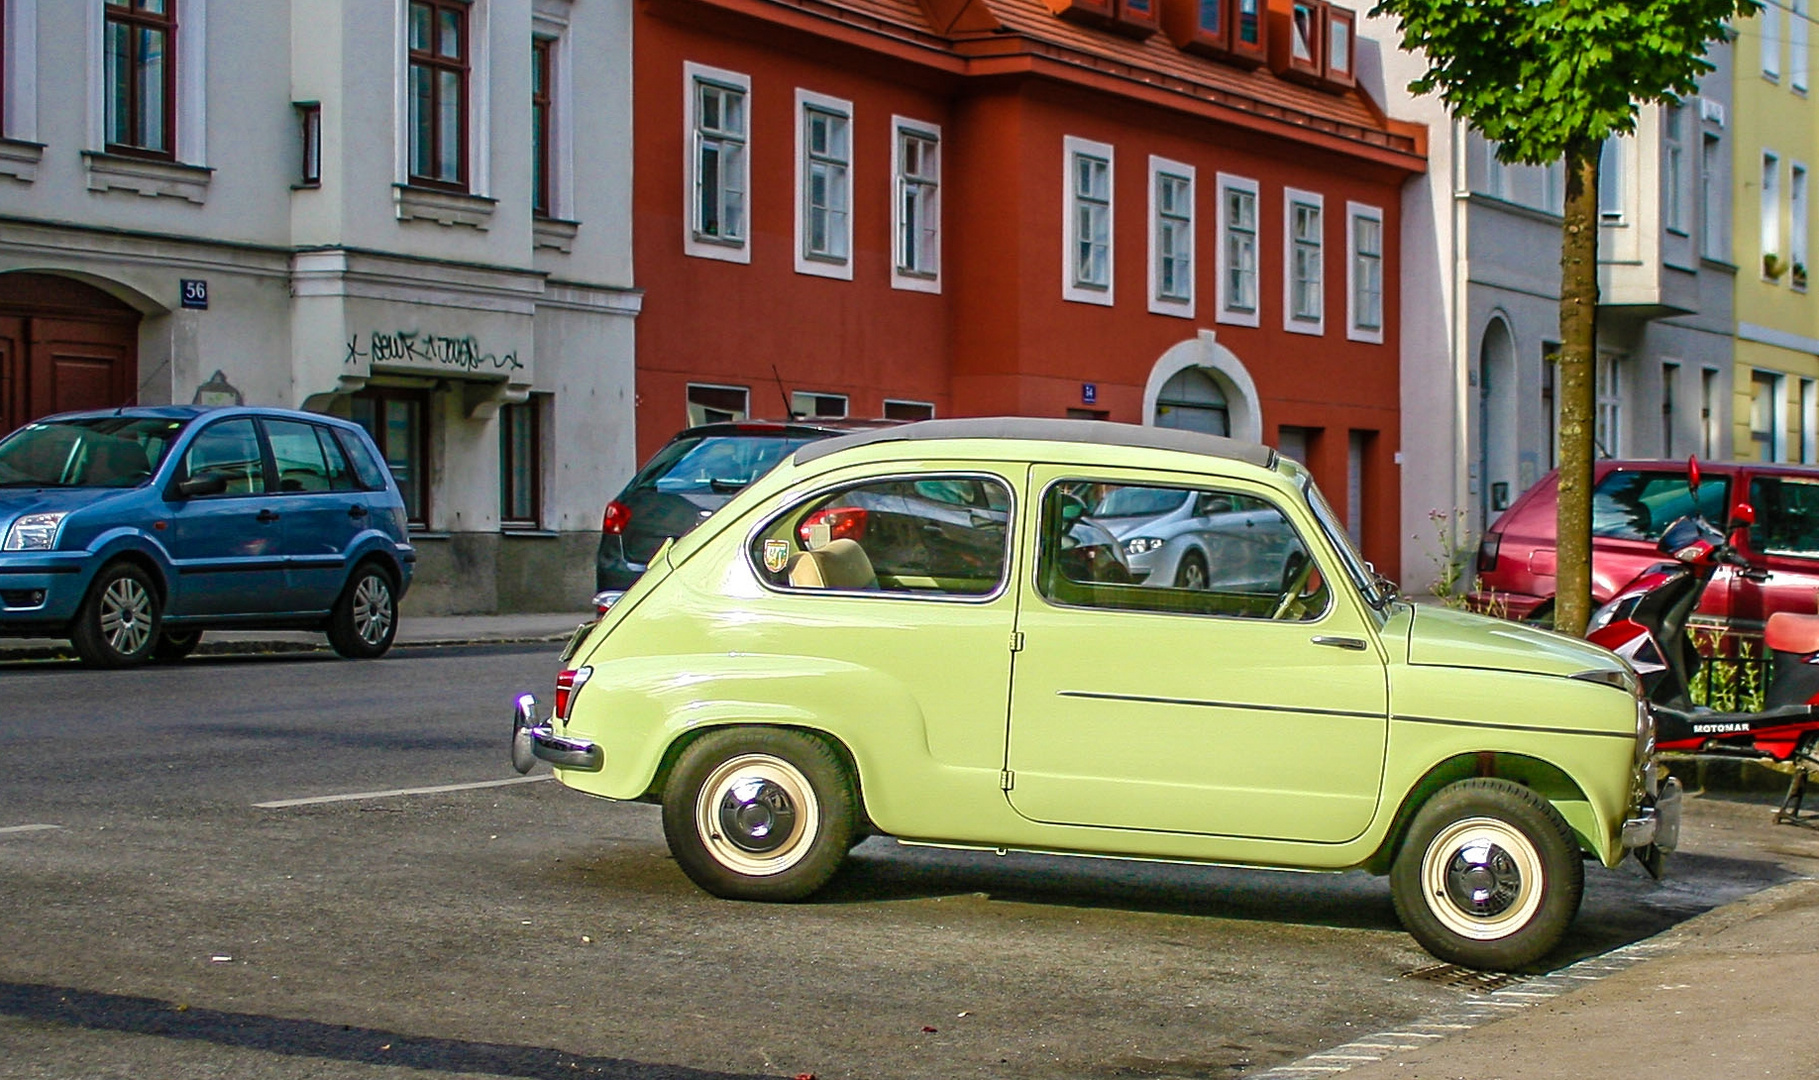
{"x":117,"y":625}
{"x":1489,"y":875}
{"x":365,"y":618}
{"x":759,"y":813}
{"x":1192,"y":572}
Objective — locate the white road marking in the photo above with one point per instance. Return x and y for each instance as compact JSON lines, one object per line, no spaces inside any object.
{"x":283,"y":803}
{"x":29,"y":828}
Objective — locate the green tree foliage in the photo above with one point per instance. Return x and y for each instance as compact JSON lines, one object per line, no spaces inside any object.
{"x":1550,"y":80}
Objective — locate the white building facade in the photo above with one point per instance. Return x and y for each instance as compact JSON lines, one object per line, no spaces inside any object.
{"x":388,"y":210}
{"x":1481,"y":305}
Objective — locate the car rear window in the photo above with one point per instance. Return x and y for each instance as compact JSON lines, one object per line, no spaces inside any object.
{"x":1636,"y":505}
{"x":1787,"y":516}
{"x":720,"y":463}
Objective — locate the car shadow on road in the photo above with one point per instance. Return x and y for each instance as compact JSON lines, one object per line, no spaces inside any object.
{"x":131,"y":1015}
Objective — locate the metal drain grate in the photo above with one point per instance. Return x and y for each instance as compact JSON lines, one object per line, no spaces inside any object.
{"x":1477,"y":982}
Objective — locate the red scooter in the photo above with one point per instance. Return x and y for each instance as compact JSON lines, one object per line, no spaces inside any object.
{"x":1645,"y":623}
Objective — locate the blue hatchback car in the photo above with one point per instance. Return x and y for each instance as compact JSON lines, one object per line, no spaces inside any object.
{"x":131,"y":531}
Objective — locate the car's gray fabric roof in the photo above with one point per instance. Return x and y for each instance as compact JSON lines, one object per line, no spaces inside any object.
{"x":1046,"y":429}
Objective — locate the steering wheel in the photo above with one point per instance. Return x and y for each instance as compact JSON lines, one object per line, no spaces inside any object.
{"x":1296,"y":570}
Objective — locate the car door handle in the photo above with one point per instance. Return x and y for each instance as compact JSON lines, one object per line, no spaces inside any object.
{"x":356,"y":512}
{"x":1352,"y":643}
{"x":266,"y":516}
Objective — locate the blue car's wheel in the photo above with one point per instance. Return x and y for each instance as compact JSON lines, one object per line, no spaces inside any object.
{"x":365,"y":618}
{"x":117,"y":625}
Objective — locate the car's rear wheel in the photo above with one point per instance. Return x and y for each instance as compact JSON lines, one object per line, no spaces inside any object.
{"x":759,"y":813}
{"x":176,"y":644}
{"x":117,"y":625}
{"x":1489,"y":875}
{"x":1192,"y":572}
{"x":365,"y":618}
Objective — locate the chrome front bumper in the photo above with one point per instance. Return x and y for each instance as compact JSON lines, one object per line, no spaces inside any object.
{"x":1655,"y":830}
{"x":533,"y":742}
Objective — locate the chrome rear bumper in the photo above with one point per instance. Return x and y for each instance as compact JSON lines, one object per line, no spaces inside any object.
{"x":533,"y":742}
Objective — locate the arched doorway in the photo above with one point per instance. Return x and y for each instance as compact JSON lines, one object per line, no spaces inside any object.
{"x":1191,"y":401}
{"x":1200,"y":385}
{"x":64,"y":345}
{"x":1497,"y":481}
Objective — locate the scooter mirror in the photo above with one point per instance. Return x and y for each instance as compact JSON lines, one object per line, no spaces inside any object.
{"x":1743,"y":514}
{"x":1692,"y":474}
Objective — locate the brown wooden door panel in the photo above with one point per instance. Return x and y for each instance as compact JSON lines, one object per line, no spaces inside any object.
{"x":12,"y":373}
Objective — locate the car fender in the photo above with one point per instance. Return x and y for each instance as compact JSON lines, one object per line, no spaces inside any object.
{"x":113,"y":543}
{"x":372,"y":542}
{"x":653,"y":712}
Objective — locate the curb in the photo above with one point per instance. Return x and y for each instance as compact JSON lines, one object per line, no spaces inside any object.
{"x":273,"y":647}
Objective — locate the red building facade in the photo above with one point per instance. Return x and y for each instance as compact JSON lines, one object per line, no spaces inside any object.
{"x":1124,"y":209}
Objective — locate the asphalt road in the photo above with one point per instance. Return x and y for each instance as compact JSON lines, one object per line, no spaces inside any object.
{"x":165,"y":925}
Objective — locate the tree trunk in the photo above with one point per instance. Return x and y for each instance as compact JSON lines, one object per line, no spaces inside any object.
{"x":1578,"y":322}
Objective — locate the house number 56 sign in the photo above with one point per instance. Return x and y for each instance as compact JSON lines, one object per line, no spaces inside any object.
{"x":195,"y":293}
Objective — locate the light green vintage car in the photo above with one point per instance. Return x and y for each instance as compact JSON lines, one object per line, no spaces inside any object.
{"x":925,"y":632}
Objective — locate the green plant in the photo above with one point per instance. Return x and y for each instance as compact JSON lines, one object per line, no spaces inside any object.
{"x":1453,"y":552}
{"x":1773,"y":267}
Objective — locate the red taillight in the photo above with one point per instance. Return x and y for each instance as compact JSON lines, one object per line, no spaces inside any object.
{"x":1487,"y":552}
{"x":567,"y":683}
{"x":844,"y":521}
{"x":617,"y":517}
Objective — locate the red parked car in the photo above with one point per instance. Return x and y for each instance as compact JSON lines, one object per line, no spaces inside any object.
{"x":1632,"y":502}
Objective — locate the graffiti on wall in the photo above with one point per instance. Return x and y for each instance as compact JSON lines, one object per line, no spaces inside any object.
{"x":416,"y":347}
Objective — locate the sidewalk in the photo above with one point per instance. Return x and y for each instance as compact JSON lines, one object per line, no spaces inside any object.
{"x":424,"y":630}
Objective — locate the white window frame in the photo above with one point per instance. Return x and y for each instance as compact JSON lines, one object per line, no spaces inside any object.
{"x":819,"y":265}
{"x":1613,"y":181}
{"x":901,"y":278}
{"x":1607,"y":411}
{"x":688,"y":405}
{"x":1768,"y":194}
{"x":1673,"y":168}
{"x":1227,"y":313}
{"x":797,"y":395}
{"x":191,"y":117}
{"x":1072,"y":148}
{"x":551,"y":20}
{"x":888,"y":402}
{"x":1797,"y":44}
{"x":736,"y":250}
{"x":1291,"y":198}
{"x":1771,"y":42}
{"x":1354,"y":331}
{"x":1798,"y":196}
{"x":20,"y":64}
{"x":1168,"y":305}
{"x":1714,"y":222}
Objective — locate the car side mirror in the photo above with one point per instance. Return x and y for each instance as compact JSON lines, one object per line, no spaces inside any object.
{"x":1743,"y":514}
{"x":1692,"y":474}
{"x":197,"y":487}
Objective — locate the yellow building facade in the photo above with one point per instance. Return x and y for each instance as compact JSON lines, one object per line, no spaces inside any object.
{"x":1774,"y":131}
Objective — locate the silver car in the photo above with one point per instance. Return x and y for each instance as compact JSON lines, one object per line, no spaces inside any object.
{"x":1191,"y":539}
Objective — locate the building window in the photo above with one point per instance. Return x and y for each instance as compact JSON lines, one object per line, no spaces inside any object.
{"x":908,"y":410}
{"x":1171,"y":238}
{"x":916,"y":228}
{"x":1607,"y":430}
{"x":1191,"y":401}
{"x":1796,"y":43}
{"x":1610,"y":182}
{"x":398,"y":421}
{"x":1364,"y":300}
{"x":309,"y":130}
{"x":438,"y":93}
{"x":807,"y":403}
{"x":717,"y":168}
{"x":1708,"y":413}
{"x":1550,"y":405}
{"x":543,"y":70}
{"x":1087,"y":232}
{"x":1673,"y":180}
{"x":141,"y":77}
{"x":1670,"y":375}
{"x":1770,"y":212}
{"x":1237,"y":254}
{"x":1303,"y":270}
{"x":1809,"y":421}
{"x":1765,"y":420}
{"x":1796,"y":233}
{"x":1771,"y":42}
{"x":1713,"y":223}
{"x":824,"y":164}
{"x":717,"y":404}
{"x":521,"y":465}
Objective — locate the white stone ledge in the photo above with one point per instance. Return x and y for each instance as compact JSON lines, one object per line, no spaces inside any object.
{"x":447,"y":208}
{"x":147,"y":176}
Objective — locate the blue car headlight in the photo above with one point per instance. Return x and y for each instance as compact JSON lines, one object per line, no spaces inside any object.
{"x":34,"y":532}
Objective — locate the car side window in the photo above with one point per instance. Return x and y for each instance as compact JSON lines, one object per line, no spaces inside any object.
{"x":925,"y":536}
{"x":230,"y":450}
{"x":340,"y":478}
{"x":1632,"y":505}
{"x":302,"y":467}
{"x":1169,"y":549}
{"x":1787,"y":516}
{"x":372,"y":477}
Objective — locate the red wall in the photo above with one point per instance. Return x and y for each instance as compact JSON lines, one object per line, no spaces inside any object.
{"x":1000,"y":338}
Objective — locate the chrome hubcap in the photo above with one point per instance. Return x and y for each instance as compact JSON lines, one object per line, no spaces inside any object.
{"x":372,"y":609}
{"x":757,"y":815}
{"x":1482,"y":878}
{"x":126,"y":616}
{"x":1193,"y":576}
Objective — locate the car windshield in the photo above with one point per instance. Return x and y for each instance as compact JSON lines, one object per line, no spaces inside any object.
{"x":1138,"y":502}
{"x":1355,"y":566}
{"x":720,"y":463}
{"x":108,"y":452}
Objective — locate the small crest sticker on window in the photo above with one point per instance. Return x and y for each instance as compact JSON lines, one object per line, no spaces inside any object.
{"x":776,"y":555}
